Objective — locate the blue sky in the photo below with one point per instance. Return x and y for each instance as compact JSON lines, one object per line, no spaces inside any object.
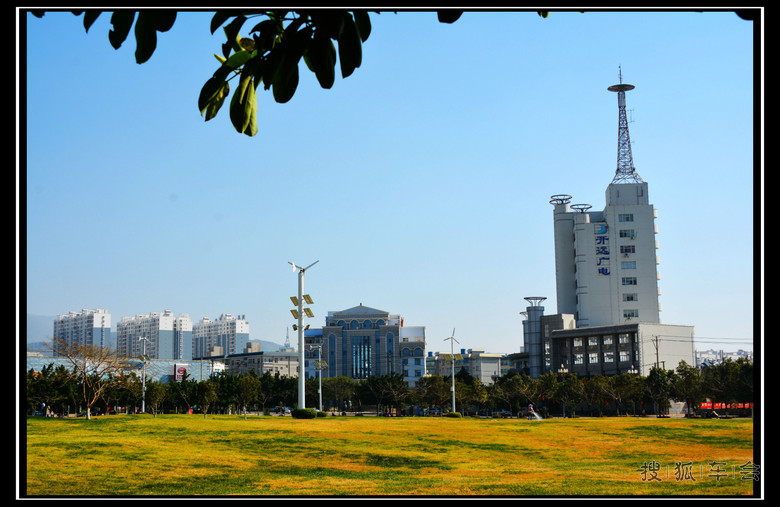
{"x":421,"y":183}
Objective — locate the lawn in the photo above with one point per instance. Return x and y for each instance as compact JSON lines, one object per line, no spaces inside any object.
{"x":187,"y":455}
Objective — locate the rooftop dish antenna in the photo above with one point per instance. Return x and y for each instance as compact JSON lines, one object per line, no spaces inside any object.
{"x":581,"y":208}
{"x":560,"y":199}
{"x":535,"y":300}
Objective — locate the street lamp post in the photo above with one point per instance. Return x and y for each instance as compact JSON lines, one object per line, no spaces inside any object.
{"x":299,"y":315}
{"x":143,"y":375}
{"x":452,"y":353}
{"x":562,"y":371}
{"x":318,"y":366}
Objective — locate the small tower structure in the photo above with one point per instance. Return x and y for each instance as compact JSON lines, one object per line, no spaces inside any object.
{"x":625,"y":172}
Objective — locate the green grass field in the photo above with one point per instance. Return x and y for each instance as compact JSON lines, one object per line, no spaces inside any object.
{"x":187,"y":455}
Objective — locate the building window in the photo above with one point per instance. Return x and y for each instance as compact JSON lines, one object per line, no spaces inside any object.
{"x":630,"y":314}
{"x":577,"y":342}
{"x":625,"y":217}
{"x":607,"y":340}
{"x":593,"y":358}
{"x":630,"y":297}
{"x":624,"y":338}
{"x":628,"y":265}
{"x":593,"y":341}
{"x":627,"y":249}
{"x":609,"y":357}
{"x":628,"y":280}
{"x":627,"y":233}
{"x":624,"y":356}
{"x":361,"y":357}
{"x":578,"y":358}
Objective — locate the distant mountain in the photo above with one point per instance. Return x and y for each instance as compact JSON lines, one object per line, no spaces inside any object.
{"x":39,"y":328}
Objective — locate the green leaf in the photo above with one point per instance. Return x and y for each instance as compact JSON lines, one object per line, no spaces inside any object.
{"x":320,"y":58}
{"x":268,"y":31}
{"x":448,"y":16}
{"x":212,"y":96}
{"x":363,"y":24}
{"x":329,"y":23}
{"x":239,"y":58}
{"x":350,"y":51}
{"x":219,"y":19}
{"x":232,"y":36}
{"x":243,"y":105}
{"x":145,"y":37}
{"x":285,"y":77}
{"x":122,"y":21}
{"x":89,"y":17}
{"x":146,"y":27}
{"x":251,"y":110}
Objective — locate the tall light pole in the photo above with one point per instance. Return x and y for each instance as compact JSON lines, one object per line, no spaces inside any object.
{"x":143,"y":376}
{"x":452,"y":353}
{"x":318,"y":365}
{"x":299,"y":315}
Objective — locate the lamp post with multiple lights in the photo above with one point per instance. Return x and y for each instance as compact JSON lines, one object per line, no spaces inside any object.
{"x":298,"y":314}
{"x":452,"y":350}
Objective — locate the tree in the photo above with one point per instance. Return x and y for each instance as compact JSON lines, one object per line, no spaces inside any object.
{"x":49,"y":388}
{"x":729,"y":381}
{"x":744,"y":385}
{"x":568,"y":391}
{"x":688,"y":385}
{"x":95,"y":368}
{"x":184,"y":392}
{"x":248,"y":389}
{"x":593,"y":392}
{"x":432,"y":391}
{"x":206,"y":395}
{"x":659,"y":386}
{"x":155,"y":395}
{"x":265,"y":389}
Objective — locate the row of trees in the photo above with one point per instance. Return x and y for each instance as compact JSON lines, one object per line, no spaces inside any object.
{"x":96,"y":380}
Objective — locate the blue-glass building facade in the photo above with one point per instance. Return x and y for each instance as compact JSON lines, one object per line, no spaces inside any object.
{"x":361,"y":342}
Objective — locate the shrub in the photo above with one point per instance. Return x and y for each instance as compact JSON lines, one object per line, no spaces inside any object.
{"x":322,"y":414}
{"x":453,"y":414}
{"x":304,"y":413}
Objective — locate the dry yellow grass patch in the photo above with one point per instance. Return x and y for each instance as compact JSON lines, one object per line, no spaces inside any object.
{"x":366,"y":456}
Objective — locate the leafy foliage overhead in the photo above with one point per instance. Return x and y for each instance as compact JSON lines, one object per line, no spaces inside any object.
{"x":268,"y":52}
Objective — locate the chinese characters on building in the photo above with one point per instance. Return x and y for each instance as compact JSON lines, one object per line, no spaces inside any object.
{"x":602,"y":249}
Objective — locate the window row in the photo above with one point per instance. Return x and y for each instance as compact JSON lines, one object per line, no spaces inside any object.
{"x":623,"y":339}
{"x":623,"y":356}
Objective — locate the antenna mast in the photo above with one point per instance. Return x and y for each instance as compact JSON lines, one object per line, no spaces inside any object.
{"x":625,"y":172}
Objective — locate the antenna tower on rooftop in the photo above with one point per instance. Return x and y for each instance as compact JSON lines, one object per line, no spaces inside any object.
{"x":625,"y":172}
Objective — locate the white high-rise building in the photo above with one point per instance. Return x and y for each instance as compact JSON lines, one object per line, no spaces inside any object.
{"x":606,"y":272}
{"x":605,"y":261}
{"x":226,"y":335}
{"x":87,"y":327}
{"x":167,"y":336}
